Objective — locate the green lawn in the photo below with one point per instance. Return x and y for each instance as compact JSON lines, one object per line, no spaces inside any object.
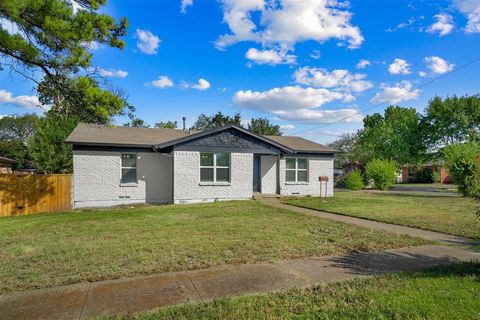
{"x":54,"y":249}
{"x":452,"y":215}
{"x":441,"y":293}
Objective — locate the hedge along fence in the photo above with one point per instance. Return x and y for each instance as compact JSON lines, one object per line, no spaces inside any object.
{"x":27,"y":194}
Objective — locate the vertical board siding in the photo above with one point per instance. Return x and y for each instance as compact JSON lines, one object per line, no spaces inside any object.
{"x":26,"y":194}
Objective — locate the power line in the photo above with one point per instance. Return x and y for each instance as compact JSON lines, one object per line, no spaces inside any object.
{"x":395,"y":98}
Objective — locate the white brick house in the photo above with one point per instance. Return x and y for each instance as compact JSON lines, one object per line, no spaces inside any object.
{"x":119,"y":165}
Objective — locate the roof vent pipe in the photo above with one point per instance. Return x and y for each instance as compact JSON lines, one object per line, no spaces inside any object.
{"x":184,"y":119}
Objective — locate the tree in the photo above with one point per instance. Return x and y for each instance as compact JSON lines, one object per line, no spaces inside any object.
{"x":264,"y":127}
{"x":18,"y":127}
{"x":166,"y":124}
{"x":48,"y":148}
{"x":349,"y":153}
{"x":137,"y":123}
{"x":452,"y":120}
{"x":16,"y":150}
{"x":50,"y":48}
{"x":205,"y":122}
{"x":394,"y":136}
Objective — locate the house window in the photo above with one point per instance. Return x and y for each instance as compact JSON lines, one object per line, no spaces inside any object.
{"x":214,"y":167}
{"x":129,"y":168}
{"x":296,"y":170}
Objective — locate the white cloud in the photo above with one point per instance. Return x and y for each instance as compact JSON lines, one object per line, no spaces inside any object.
{"x":147,"y":42}
{"x":422,"y":74}
{"x":201,"y":85}
{"x":438,"y":65}
{"x":339,"y":79}
{"x":471,"y":8}
{"x":362,"y":64}
{"x":9,"y":26}
{"x":315,"y":54}
{"x":287,"y":22}
{"x":402,"y":91}
{"x":90,"y":45}
{"x":399,"y":66}
{"x":287,"y":127}
{"x":111,"y":73}
{"x":294,"y":103}
{"x":185,"y":5}
{"x":271,"y":57}
{"x":19,"y":101}
{"x":443,"y":25}
{"x":402,"y":25}
{"x":162,"y":82}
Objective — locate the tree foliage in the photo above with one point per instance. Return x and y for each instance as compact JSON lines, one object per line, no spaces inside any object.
{"x":205,"y":122}
{"x":48,"y":44}
{"x":263,"y":126}
{"x":394,"y":136}
{"x":166,"y":124}
{"x":349,"y":152}
{"x":18,"y":127}
{"x":16,"y":150}
{"x":452,"y":120}
{"x":48,"y":148}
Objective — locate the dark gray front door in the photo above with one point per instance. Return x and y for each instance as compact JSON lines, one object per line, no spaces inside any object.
{"x":256,"y":173}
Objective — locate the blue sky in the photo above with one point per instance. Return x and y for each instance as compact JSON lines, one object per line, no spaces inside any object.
{"x":295,"y":62}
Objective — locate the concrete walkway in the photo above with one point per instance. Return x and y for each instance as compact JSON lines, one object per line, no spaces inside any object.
{"x":414,"y":232}
{"x":88,"y":300}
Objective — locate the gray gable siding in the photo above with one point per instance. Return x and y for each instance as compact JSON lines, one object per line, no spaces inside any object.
{"x":230,"y":140}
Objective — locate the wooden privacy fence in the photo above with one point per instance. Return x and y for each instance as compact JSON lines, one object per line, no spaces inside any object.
{"x":26,"y":194}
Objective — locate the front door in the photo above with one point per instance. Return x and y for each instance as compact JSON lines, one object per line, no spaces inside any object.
{"x":256,"y":173}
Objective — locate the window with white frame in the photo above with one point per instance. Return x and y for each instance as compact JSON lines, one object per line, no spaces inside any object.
{"x":296,"y":170}
{"x":214,"y":167}
{"x":129,"y":168}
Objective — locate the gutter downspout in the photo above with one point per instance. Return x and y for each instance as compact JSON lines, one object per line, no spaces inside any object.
{"x":278,"y":174}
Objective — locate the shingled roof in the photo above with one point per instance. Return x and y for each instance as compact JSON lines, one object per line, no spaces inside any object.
{"x":300,"y":144}
{"x":102,"y":135}
{"x":89,"y":134}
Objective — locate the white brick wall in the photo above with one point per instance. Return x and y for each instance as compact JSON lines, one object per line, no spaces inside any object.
{"x":268,"y":172}
{"x":187,"y":186}
{"x":97,"y":174}
{"x":318,"y":166}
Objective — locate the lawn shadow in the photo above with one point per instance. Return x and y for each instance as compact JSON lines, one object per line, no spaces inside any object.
{"x":375,"y":263}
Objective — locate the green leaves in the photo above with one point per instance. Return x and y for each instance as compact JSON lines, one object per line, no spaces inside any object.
{"x":263,"y":126}
{"x":382,"y":172}
{"x":50,"y":43}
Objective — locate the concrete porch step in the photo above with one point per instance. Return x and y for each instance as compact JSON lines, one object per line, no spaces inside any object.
{"x":258,"y":195}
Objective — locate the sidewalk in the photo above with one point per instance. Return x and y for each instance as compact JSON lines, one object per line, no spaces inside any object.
{"x":414,"y":232}
{"x":88,"y":300}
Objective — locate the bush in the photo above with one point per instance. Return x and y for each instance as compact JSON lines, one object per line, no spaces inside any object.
{"x":436,"y":176}
{"x":354,"y":180}
{"x":382,"y":172}
{"x":463,"y":166}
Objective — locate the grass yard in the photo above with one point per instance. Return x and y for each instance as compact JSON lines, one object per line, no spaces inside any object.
{"x":452,"y":215}
{"x":46,"y":250}
{"x":441,"y":293}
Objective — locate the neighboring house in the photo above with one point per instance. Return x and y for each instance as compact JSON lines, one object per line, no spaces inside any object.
{"x":6,"y":165}
{"x":121,"y":165}
{"x":409,"y":172}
